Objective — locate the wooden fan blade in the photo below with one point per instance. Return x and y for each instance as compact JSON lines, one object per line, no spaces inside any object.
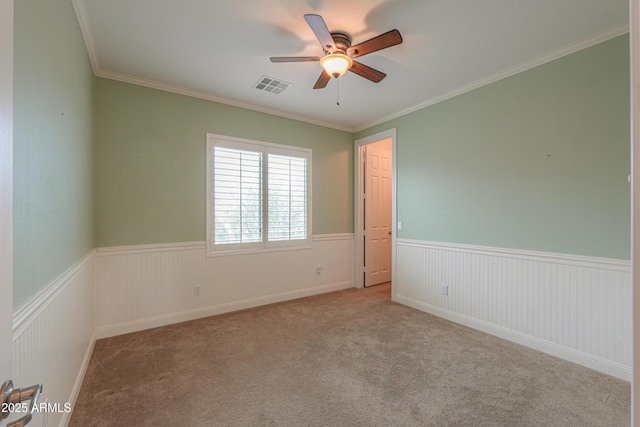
{"x":321,"y":31}
{"x":294,"y":58}
{"x":322,"y":80}
{"x":388,"y":39}
{"x":367,"y":72}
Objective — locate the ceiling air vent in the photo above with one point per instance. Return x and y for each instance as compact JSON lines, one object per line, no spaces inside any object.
{"x":269,"y":84}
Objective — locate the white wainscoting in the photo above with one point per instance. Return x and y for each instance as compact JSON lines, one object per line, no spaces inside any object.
{"x":141,"y":287}
{"x":574,"y":307}
{"x":53,"y":338}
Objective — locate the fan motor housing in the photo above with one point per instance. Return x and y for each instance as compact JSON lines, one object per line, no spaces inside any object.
{"x":342,"y":40}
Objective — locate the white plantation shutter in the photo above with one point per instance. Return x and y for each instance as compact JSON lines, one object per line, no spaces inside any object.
{"x":259,"y":195}
{"x":287,"y":193}
{"x":237,"y":196}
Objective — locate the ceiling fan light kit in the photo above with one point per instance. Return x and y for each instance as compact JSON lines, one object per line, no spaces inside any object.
{"x":336,"y":64}
{"x":338,"y":52}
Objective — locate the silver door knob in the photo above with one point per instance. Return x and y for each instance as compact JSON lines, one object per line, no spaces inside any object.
{"x":12,"y":397}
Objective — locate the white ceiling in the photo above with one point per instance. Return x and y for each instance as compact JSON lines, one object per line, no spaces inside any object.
{"x":218,"y":49}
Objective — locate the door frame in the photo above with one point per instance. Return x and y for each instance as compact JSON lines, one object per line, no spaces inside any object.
{"x":634,"y":36}
{"x":377,"y":211}
{"x":6,"y":188}
{"x":358,"y":207}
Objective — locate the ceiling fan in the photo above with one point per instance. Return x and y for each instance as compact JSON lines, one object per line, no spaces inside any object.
{"x":339,"y":54}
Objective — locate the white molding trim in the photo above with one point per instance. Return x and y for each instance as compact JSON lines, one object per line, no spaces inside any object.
{"x":265,"y":149}
{"x":125,"y":78}
{"x":331,"y":237}
{"x":6,"y":181}
{"x":125,"y":275}
{"x":535,"y":62}
{"x":149,"y":248}
{"x":77,"y":385}
{"x":54,"y":335}
{"x":193,"y":246}
{"x":29,"y":311}
{"x":184,"y":316}
{"x":611,"y":368}
{"x":556,"y":258}
{"x":85,"y":27}
{"x":358,"y":206}
{"x":634,"y":81}
{"x":570,"y":306}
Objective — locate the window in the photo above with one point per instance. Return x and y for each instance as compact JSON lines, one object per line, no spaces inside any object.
{"x":258,"y":195}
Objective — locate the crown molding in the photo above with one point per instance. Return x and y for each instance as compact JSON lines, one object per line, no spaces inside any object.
{"x":83,"y":21}
{"x":85,"y":27}
{"x":126,"y":78}
{"x":535,"y":62}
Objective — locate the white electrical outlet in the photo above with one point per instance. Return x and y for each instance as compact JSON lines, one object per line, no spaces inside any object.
{"x":318,"y":270}
{"x":196,"y":290}
{"x":444,"y":290}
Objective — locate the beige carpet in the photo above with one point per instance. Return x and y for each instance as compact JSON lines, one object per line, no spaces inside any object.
{"x":348,"y":358}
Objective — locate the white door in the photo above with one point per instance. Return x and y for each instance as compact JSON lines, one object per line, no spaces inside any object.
{"x":377,"y":215}
{"x":6,"y":187}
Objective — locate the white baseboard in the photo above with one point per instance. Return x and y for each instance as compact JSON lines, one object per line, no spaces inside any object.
{"x":73,"y":398}
{"x":610,"y":368}
{"x":142,"y":287}
{"x":573,"y":307}
{"x":53,"y":338}
{"x":184,"y":316}
{"x":524,"y":297}
{"x":54,"y":333}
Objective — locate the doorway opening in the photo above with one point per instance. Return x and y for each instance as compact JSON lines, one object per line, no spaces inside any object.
{"x":375,"y":209}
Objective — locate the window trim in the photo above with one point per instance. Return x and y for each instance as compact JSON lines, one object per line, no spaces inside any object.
{"x":266,"y":148}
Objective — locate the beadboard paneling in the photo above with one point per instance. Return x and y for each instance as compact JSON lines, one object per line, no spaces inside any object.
{"x":139,"y":287}
{"x":53,"y":337}
{"x":578,"y":308}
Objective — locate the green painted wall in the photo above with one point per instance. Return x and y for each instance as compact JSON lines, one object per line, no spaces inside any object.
{"x":150,"y":163}
{"x":53,"y":217}
{"x":536,"y":161}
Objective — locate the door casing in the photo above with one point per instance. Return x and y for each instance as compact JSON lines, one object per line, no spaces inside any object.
{"x":6,"y":188}
{"x":359,"y":207}
{"x":634,"y":18}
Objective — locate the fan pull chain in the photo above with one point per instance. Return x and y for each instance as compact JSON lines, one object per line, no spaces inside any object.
{"x":338,"y":92}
